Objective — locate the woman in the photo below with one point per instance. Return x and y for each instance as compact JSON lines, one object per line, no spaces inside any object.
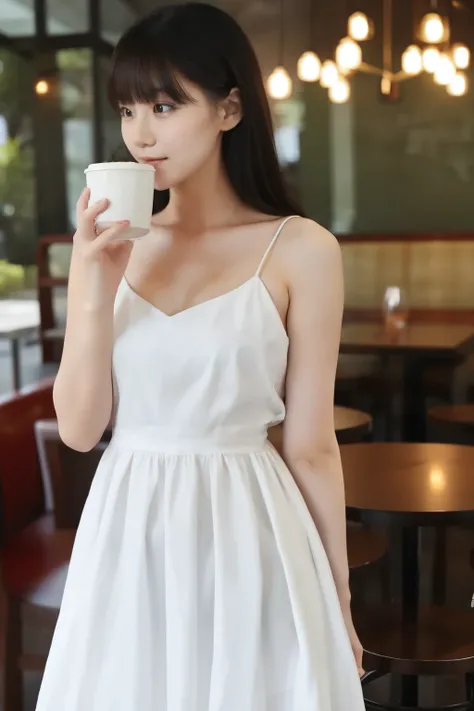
{"x":209,"y":573}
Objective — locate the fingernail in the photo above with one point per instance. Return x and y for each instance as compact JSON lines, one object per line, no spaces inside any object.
{"x":124,"y":222}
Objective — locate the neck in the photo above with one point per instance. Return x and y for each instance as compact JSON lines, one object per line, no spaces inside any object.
{"x":205,"y":200}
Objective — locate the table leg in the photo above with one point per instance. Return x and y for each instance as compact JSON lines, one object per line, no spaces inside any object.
{"x":387,"y":401}
{"x":439,"y":565}
{"x":413,"y":405}
{"x":15,"y":346}
{"x":410,"y":596}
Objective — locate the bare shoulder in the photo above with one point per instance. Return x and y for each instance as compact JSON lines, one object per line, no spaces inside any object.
{"x":309,"y":248}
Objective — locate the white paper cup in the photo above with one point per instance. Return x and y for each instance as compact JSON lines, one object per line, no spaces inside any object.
{"x":129,"y":189}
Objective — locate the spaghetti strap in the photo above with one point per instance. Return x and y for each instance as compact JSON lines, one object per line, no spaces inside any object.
{"x":270,"y":246}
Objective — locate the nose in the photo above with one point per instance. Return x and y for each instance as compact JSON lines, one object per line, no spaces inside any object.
{"x":143,"y":135}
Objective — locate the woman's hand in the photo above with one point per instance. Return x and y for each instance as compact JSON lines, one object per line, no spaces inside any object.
{"x":104,"y":257}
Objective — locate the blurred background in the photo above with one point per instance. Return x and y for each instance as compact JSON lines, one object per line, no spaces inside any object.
{"x":373,"y":109}
{"x":375,"y":143}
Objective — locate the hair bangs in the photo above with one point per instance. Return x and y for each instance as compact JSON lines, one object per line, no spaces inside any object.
{"x":141,"y":74}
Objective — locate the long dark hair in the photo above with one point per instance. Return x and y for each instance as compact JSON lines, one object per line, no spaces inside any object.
{"x":207,"y":47}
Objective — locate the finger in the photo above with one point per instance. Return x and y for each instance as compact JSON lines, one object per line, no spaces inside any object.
{"x":111,"y":233}
{"x":82,"y":202}
{"x":86,"y":218}
{"x":94,"y":210}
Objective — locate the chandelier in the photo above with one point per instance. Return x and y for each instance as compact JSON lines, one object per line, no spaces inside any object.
{"x":432,"y":53}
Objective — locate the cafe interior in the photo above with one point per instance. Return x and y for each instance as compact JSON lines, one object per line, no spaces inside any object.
{"x":374,"y":127}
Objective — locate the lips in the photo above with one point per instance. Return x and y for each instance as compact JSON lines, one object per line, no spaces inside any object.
{"x":153,"y":160}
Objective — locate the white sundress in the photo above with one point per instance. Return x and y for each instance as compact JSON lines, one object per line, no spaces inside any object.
{"x":198,"y":581}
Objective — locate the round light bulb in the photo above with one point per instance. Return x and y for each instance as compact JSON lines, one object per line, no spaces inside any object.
{"x":358,"y":27}
{"x":348,"y":55}
{"x":279,"y":85}
{"x":431,"y":57}
{"x":461,"y":55}
{"x":309,"y":67}
{"x":329,"y":73}
{"x":42,"y":87}
{"x":340,"y":91}
{"x":412,"y":62}
{"x":433,"y":28}
{"x":445,"y":70}
{"x":458,"y":85}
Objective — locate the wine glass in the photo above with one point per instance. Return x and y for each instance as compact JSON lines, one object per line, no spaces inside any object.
{"x":395,"y":309}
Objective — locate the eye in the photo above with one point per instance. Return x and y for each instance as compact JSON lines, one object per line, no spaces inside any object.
{"x":125,"y":112}
{"x":162,"y":108}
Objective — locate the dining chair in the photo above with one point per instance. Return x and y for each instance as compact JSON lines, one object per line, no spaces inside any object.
{"x":41,"y":498}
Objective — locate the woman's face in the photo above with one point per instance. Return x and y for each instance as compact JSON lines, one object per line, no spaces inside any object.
{"x":177,"y":139}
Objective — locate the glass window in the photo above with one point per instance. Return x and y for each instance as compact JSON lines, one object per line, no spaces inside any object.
{"x":113,"y":147}
{"x":77,"y":109}
{"x":287,"y":119}
{"x":117,"y":16}
{"x":17,"y":18}
{"x":66,"y":18}
{"x":17,"y":167}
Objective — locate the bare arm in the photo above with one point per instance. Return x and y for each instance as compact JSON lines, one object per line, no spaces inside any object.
{"x":309,"y":444}
{"x":83,"y":388}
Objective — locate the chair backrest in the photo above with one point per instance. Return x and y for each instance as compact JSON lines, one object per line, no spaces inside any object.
{"x":22,"y":496}
{"x":67,"y":474}
{"x":46,"y":430}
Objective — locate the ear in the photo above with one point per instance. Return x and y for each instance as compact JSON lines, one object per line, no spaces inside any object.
{"x":231,"y":110}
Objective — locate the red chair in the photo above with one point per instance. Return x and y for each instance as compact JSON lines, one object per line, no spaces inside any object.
{"x":30,"y":553}
{"x":40,"y":506}
{"x":38,"y":519}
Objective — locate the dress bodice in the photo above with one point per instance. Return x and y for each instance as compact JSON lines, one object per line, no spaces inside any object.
{"x":216,"y":369}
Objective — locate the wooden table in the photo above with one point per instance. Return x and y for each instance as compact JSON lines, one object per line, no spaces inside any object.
{"x":428,"y":338}
{"x":19,"y":319}
{"x":410,"y":485}
{"x":413,"y":346}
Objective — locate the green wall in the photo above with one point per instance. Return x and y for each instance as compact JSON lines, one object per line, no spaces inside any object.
{"x":403,"y":166}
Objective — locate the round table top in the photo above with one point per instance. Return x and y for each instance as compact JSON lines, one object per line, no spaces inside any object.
{"x":351,"y":425}
{"x":399,"y":482}
{"x":456,"y":414}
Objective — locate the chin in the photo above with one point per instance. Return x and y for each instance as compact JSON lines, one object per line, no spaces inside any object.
{"x":173,"y":179}
{"x":163,"y":181}
{"x":162,"y":184}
